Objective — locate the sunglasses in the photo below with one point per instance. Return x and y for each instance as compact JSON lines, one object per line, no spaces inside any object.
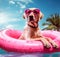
{"x":35,"y":11}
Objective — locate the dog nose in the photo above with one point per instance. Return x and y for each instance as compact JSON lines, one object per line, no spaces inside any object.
{"x":31,"y":18}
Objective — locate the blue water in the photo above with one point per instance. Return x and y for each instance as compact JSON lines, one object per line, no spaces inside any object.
{"x":12,"y":54}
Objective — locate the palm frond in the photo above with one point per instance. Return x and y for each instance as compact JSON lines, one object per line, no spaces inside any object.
{"x":53,"y":22}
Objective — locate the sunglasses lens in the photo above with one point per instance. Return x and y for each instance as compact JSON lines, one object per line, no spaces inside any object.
{"x":27,"y":11}
{"x":36,"y":11}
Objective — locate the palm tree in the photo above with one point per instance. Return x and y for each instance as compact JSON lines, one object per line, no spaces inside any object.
{"x":53,"y":22}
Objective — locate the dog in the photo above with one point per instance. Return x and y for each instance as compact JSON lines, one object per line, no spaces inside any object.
{"x":32,"y":31}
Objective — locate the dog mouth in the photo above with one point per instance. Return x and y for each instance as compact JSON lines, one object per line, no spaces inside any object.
{"x":32,"y":22}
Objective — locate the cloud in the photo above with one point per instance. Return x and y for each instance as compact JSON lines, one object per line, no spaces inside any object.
{"x":3,"y":17}
{"x":26,"y":1}
{"x":22,"y":6}
{"x":22,"y":3}
{"x":9,"y":26}
{"x":6,"y":18}
{"x":13,"y":26}
{"x":11,"y":2}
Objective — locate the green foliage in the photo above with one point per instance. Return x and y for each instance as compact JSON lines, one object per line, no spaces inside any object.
{"x":53,"y":22}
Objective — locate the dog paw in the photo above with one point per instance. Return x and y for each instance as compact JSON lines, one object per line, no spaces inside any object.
{"x":47,"y":45}
{"x":55,"y":45}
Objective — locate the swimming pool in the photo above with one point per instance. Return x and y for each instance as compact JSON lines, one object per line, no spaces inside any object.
{"x":12,"y":54}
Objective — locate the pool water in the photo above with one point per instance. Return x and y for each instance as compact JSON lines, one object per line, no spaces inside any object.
{"x":12,"y":54}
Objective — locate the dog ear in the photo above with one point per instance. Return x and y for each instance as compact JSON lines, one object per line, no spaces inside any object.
{"x":41,"y":15}
{"x":24,"y":16}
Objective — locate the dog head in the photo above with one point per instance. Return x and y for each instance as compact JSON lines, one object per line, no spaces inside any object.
{"x":33,"y":15}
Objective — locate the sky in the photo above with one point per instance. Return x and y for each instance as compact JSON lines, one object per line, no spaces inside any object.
{"x":11,"y":11}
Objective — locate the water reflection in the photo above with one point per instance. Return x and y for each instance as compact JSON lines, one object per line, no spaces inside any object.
{"x":12,"y":54}
{"x":29,"y":55}
{"x":21,"y":55}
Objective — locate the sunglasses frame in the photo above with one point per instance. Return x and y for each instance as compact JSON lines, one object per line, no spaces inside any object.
{"x":28,"y":11}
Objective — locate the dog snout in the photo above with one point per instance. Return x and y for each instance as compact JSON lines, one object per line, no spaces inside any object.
{"x":31,"y":18}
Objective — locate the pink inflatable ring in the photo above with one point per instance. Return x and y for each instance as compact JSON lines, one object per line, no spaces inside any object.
{"x":9,"y":41}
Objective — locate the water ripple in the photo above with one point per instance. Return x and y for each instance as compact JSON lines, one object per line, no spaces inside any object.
{"x":29,"y":55}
